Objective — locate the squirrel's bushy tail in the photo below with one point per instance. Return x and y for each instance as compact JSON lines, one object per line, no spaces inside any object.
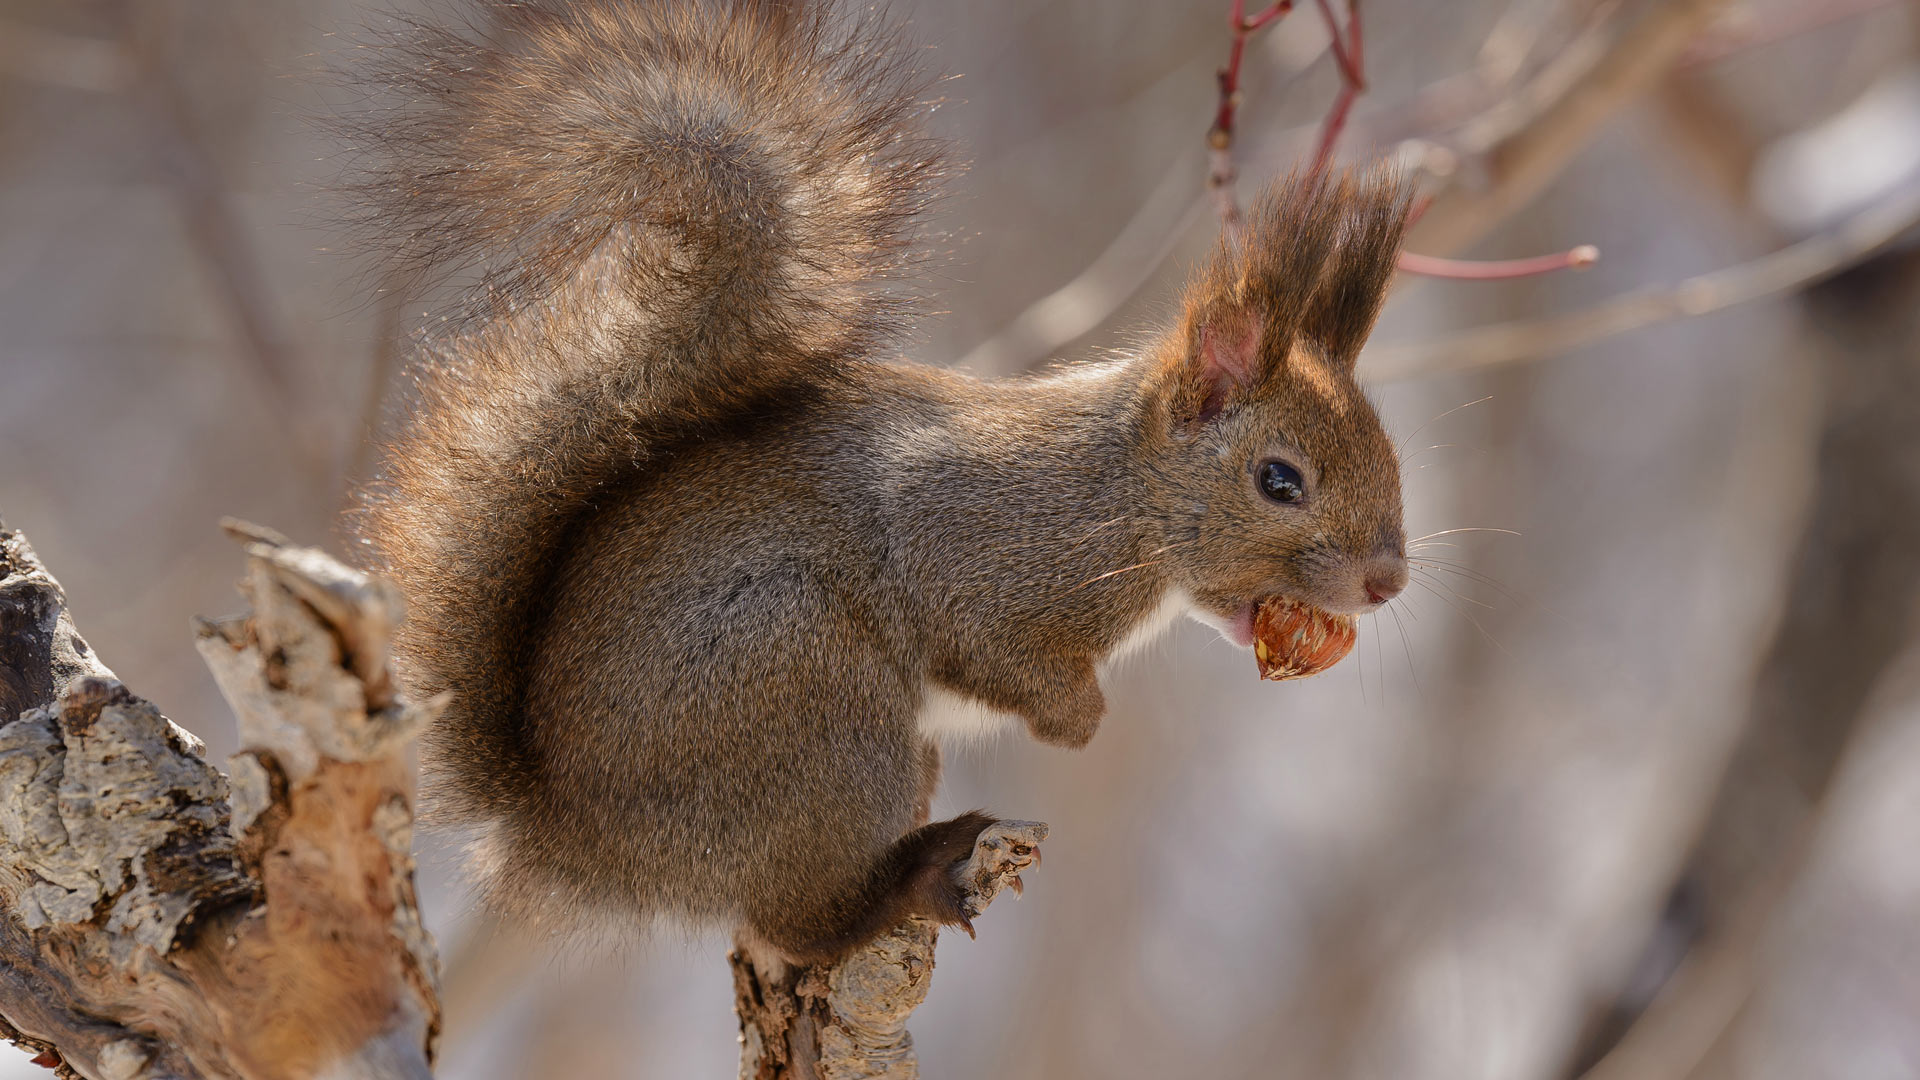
{"x":676,"y":210}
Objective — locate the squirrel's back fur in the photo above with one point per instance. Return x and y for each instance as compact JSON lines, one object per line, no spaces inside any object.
{"x":676,"y":209}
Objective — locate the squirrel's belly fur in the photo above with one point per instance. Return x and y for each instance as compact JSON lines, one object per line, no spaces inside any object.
{"x":954,"y":718}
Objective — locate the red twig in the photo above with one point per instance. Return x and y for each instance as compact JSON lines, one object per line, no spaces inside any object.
{"x":1272,"y":14}
{"x":1353,"y":79}
{"x":1493,"y":270}
{"x":1221,"y":173}
{"x":1349,"y":57}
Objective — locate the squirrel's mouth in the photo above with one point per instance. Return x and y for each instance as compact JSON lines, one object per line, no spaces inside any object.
{"x":1292,"y":640}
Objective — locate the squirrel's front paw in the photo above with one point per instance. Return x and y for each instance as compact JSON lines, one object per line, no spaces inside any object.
{"x":1071,"y":720}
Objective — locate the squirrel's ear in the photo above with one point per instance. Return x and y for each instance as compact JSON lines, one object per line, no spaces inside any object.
{"x":1224,"y":363}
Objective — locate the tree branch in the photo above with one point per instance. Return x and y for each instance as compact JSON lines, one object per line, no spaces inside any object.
{"x":849,"y":1021}
{"x":158,"y":919}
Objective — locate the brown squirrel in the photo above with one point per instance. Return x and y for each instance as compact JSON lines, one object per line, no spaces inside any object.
{"x":705,"y":569}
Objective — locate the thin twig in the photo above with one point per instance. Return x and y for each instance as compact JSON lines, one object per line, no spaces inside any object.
{"x":1346,"y":54}
{"x":1123,"y":268}
{"x":1349,"y":58}
{"x":1221,"y":174}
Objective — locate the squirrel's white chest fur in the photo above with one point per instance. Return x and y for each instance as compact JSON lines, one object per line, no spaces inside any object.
{"x":952,"y":717}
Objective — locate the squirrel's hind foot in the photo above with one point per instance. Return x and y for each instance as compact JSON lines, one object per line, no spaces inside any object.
{"x":1001,"y":852}
{"x":960,"y":865}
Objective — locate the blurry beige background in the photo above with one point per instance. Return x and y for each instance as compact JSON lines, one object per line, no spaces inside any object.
{"x":1646,"y":763}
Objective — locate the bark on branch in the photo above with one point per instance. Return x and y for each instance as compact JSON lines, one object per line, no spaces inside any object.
{"x":158,"y":919}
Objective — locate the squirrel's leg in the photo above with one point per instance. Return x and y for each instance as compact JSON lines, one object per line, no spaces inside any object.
{"x":753,"y":751}
{"x":1070,"y":710}
{"x":824,"y":778}
{"x":1058,"y":696}
{"x":919,"y":875}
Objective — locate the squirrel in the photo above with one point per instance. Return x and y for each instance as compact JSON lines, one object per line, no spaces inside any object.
{"x":704,"y":569}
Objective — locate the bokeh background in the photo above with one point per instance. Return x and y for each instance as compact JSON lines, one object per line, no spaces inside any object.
{"x":1628,"y":782}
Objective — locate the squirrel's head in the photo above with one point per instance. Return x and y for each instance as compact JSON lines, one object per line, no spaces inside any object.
{"x":1273,"y":475}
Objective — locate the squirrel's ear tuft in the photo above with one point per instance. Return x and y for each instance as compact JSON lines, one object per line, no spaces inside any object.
{"x":1353,"y":283}
{"x":1318,"y":253}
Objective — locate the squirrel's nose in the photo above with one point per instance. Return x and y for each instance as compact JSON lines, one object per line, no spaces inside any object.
{"x":1386,"y":583}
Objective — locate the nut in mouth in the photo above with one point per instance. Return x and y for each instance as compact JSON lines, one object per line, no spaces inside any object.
{"x":1292,"y":640}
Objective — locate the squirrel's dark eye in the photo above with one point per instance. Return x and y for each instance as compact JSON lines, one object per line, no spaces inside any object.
{"x":1282,"y":482}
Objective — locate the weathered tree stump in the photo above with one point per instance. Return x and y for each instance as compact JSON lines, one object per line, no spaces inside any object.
{"x":159,"y":919}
